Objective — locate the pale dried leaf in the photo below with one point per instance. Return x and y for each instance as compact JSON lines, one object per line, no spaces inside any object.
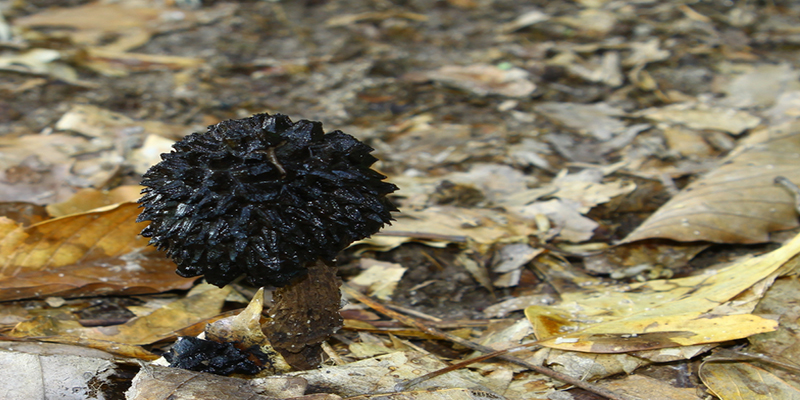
{"x":155,"y":382}
{"x":664,"y":313}
{"x":596,"y":120}
{"x":565,"y":214}
{"x":433,"y":394}
{"x":745,"y":381}
{"x":650,"y":388}
{"x":50,"y":371}
{"x":738,"y":202}
{"x":379,"y":278}
{"x":591,"y":21}
{"x":482,"y":79}
{"x":382,"y":373}
{"x":760,"y":86}
{"x":43,"y":62}
{"x":442,"y":225}
{"x":88,"y":199}
{"x":722,"y":119}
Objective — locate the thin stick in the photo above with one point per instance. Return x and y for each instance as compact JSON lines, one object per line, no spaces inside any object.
{"x":478,"y":347}
{"x":792,"y":188}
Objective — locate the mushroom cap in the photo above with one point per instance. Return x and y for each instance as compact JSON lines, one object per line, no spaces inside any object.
{"x":262,"y":196}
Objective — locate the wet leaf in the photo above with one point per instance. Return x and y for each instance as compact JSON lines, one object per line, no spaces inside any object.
{"x":87,"y":254}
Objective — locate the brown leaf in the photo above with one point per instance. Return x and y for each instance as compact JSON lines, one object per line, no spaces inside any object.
{"x":23,"y":213}
{"x":87,"y":254}
{"x":164,"y":322}
{"x":745,"y":381}
{"x":737,"y":202}
{"x":90,"y":198}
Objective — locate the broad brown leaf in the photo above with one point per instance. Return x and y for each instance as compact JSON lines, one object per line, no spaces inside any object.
{"x":90,"y":254}
{"x":738,"y":202}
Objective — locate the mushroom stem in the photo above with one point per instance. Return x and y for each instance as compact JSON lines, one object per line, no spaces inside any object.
{"x":304,"y":314}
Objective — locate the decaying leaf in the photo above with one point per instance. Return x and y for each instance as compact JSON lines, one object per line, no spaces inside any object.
{"x":381,"y":374}
{"x":650,"y":388}
{"x":745,"y":381}
{"x":87,"y":254}
{"x":47,"y":370}
{"x":738,"y":202}
{"x":439,"y":226}
{"x":482,"y":79}
{"x":664,"y":313}
{"x":379,"y":278}
{"x":722,"y":119}
{"x":38,"y":168}
{"x":597,"y":120}
{"x":98,"y":122}
{"x":166,"y":321}
{"x":433,"y":394}
{"x":760,"y":85}
{"x":89,"y":199}
{"x":155,"y":382}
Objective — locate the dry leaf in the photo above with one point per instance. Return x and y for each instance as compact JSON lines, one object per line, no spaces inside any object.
{"x":649,"y":388}
{"x":89,"y":254}
{"x":597,"y":120}
{"x":442,"y":225}
{"x":164,"y":322}
{"x":590,"y":21}
{"x":664,"y":313}
{"x":722,"y":119}
{"x":382,"y":373}
{"x":760,"y":86}
{"x":154,"y":382}
{"x":37,"y":168}
{"x":41,"y":62}
{"x":738,"y":202}
{"x":379,"y":278}
{"x":98,"y":122}
{"x":481,"y":79}
{"x":88,"y":199}
{"x":433,"y":394}
{"x":54,"y":371}
{"x":745,"y":381}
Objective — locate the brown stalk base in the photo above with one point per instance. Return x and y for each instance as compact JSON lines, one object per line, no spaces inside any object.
{"x":304,"y":314}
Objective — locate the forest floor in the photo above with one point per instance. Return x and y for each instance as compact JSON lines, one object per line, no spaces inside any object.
{"x":597,"y":175}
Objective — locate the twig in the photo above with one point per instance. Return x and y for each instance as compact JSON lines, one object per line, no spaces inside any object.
{"x":792,"y":188}
{"x":478,"y":347}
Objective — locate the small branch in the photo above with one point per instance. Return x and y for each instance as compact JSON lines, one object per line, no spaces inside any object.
{"x":792,"y":188}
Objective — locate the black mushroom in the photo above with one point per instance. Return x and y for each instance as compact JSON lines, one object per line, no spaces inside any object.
{"x":273,"y":200}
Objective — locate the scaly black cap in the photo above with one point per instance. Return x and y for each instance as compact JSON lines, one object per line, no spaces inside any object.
{"x":262,"y":196}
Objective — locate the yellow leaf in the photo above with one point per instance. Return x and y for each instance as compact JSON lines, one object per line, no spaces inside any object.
{"x":662,"y":313}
